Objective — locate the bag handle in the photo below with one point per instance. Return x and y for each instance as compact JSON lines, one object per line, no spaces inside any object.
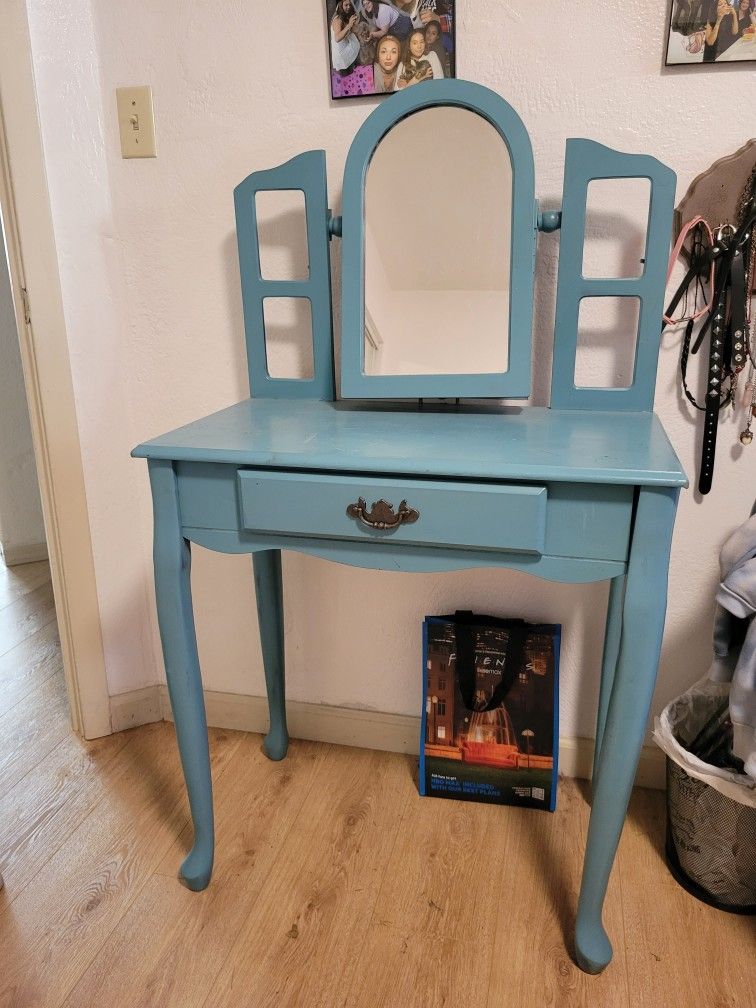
{"x":465,"y":624}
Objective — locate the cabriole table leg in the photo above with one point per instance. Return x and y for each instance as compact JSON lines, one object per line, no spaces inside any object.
{"x":609,"y":662}
{"x":172,"y":560}
{"x":642,"y":629}
{"x":269,"y":594}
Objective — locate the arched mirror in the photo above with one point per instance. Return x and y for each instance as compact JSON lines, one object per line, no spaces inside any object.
{"x":438,"y":232}
{"x":439,"y":239}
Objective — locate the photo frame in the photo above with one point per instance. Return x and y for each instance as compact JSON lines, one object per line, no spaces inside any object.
{"x":377,"y":47}
{"x":703,"y":32}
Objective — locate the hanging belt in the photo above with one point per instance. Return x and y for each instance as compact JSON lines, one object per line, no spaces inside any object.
{"x":718,"y":366}
{"x":729,"y":338}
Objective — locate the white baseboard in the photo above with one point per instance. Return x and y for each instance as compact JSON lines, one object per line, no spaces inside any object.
{"x":345,"y":726}
{"x":14,"y":556}
{"x":138,"y":707}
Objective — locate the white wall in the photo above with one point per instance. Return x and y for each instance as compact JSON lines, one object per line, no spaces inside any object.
{"x":22,"y":529}
{"x":149,"y":274}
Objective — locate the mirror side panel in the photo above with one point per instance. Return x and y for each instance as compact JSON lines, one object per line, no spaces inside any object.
{"x":306,"y":173}
{"x":586,"y":161}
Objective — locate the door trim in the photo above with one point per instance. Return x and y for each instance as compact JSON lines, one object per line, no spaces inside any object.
{"x":33,"y":263}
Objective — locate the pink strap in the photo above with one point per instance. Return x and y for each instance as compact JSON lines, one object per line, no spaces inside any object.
{"x":684,"y":232}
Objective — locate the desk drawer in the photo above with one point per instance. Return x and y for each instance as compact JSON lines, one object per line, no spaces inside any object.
{"x":477,"y":515}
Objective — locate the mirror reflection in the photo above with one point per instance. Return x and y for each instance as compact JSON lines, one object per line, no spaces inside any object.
{"x":438,"y":219}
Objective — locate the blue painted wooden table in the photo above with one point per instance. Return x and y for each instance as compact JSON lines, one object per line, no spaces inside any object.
{"x":581,"y":492}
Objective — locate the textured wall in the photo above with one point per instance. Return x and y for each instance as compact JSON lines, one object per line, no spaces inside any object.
{"x":150,"y":283}
{"x":21,"y":523}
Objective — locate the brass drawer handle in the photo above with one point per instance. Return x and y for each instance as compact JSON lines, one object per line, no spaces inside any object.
{"x":382,"y":515}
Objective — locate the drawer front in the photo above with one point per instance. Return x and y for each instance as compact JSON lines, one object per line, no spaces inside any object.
{"x":479,"y":515}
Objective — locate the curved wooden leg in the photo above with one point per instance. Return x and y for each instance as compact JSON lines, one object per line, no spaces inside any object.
{"x":642,"y":629}
{"x":269,"y":593}
{"x":609,"y":663}
{"x":172,"y":559}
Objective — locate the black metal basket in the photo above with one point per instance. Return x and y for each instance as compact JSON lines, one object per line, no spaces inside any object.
{"x":711,"y":843}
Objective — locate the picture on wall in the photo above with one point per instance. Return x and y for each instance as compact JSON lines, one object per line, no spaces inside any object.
{"x":711,"y":31}
{"x":382,"y":46}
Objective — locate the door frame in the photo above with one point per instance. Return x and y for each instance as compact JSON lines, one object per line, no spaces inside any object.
{"x":35,"y":281}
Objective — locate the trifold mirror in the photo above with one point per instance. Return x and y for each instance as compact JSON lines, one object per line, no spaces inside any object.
{"x":438,"y":229}
{"x":439,"y":240}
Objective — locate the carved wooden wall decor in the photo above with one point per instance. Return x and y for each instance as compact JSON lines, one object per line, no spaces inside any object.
{"x":715,"y":193}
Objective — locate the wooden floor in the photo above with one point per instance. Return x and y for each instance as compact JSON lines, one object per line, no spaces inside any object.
{"x":335,"y":884}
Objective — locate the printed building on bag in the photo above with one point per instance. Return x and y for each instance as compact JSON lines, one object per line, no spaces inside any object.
{"x":504,"y":754}
{"x":519,"y":732}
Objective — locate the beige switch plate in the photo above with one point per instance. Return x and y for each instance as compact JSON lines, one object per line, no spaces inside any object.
{"x":136,"y":122}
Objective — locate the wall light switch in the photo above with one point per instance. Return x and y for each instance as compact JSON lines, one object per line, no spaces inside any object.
{"x":136,"y":122}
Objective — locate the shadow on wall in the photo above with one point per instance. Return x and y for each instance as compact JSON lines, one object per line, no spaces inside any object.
{"x":230,"y":259}
{"x":283,"y":255}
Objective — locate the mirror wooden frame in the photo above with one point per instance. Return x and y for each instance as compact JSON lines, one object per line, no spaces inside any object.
{"x":515,"y":382}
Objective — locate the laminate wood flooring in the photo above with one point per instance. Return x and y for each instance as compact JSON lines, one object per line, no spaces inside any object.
{"x":335,"y":885}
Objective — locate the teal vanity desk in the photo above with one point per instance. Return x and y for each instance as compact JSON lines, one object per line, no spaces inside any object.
{"x":439,"y":236}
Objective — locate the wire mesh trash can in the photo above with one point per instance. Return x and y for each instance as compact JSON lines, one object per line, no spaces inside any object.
{"x":711,"y":843}
{"x":711,"y":812}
